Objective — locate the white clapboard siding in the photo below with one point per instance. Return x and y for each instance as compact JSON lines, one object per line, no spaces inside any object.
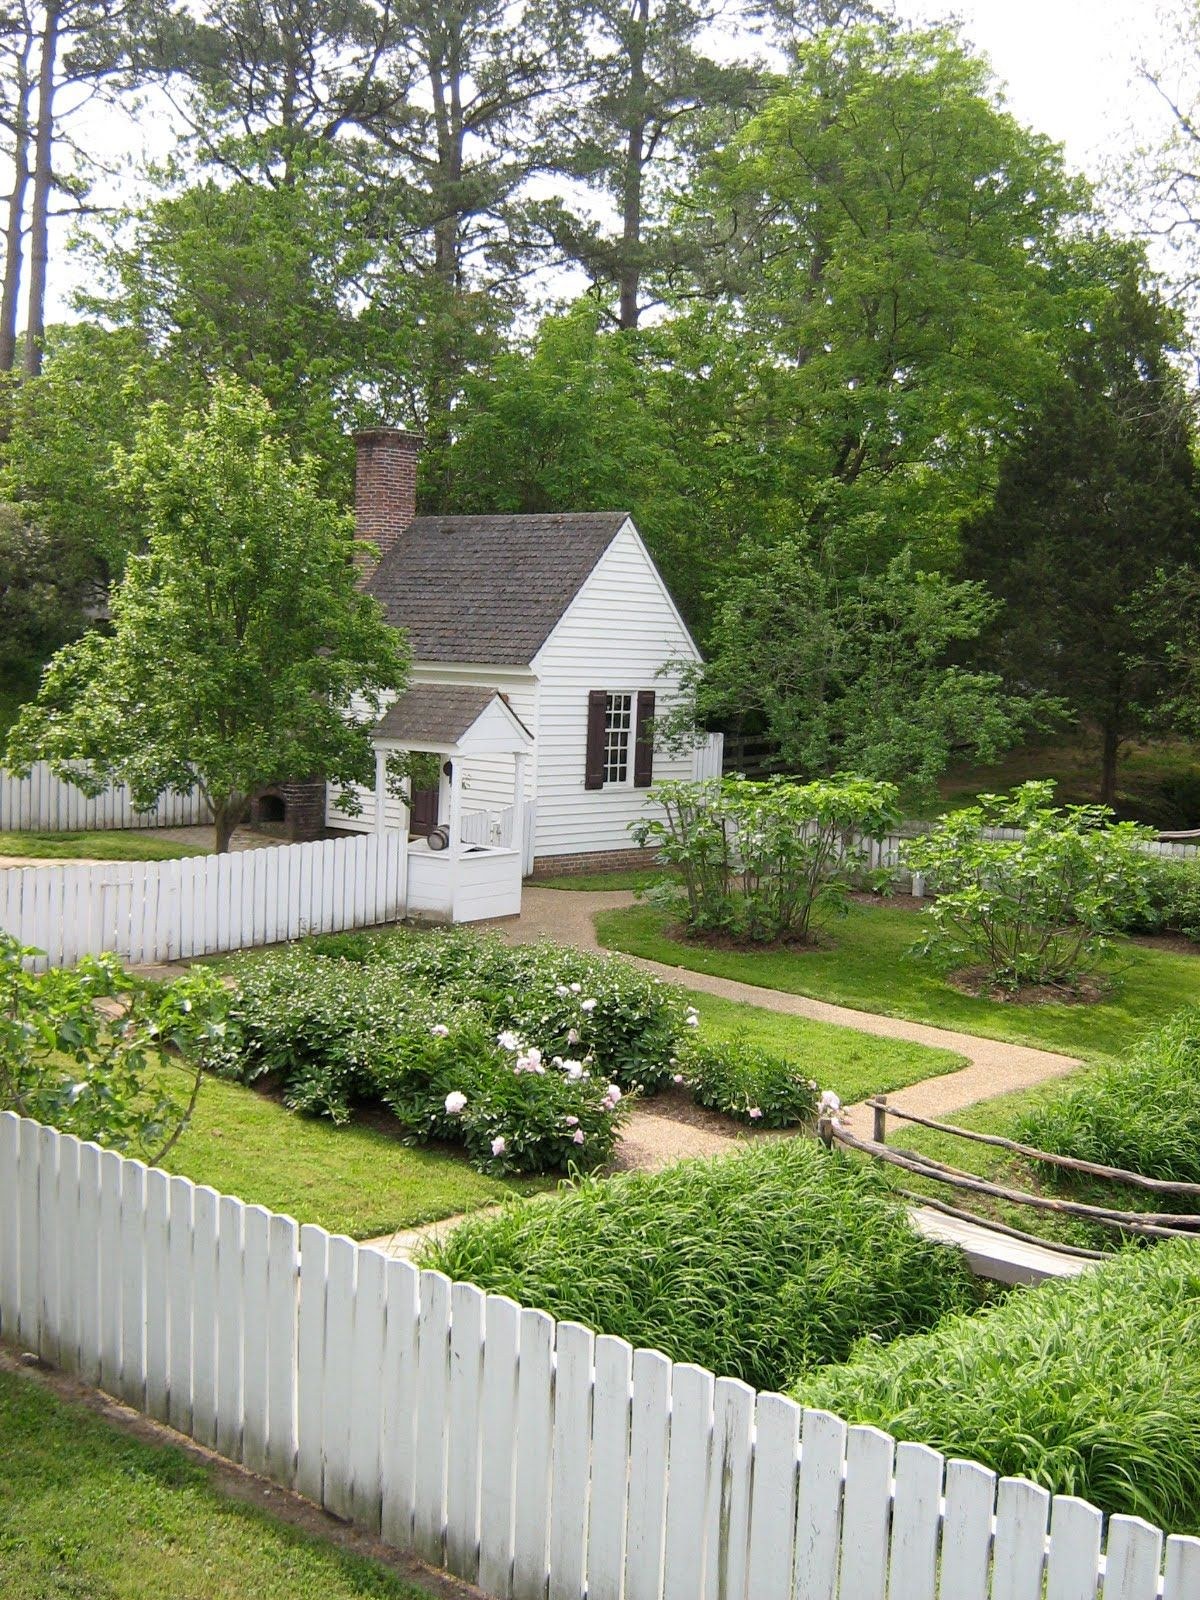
{"x":148,"y":911}
{"x":42,"y":803}
{"x":530,"y":1457}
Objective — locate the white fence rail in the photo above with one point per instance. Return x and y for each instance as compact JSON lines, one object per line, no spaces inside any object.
{"x":43,"y":803}
{"x":534,"y":1459}
{"x":172,"y":910}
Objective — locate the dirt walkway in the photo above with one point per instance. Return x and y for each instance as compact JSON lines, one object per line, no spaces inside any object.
{"x":994,"y":1066}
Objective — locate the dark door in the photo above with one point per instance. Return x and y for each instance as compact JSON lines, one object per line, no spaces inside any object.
{"x":424,"y":813}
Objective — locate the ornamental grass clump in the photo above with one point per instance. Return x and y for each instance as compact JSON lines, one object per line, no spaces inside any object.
{"x":743,"y":1081}
{"x":758,"y":1265}
{"x":1089,"y":1386}
{"x":1038,"y":905}
{"x":1141,"y":1114}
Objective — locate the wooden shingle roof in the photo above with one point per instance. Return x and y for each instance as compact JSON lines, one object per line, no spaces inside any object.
{"x":489,"y":589}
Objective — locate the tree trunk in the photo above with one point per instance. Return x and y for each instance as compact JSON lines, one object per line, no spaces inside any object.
{"x":1110,"y":750}
{"x":226,"y":816}
{"x":14,"y":238}
{"x":630,"y":272}
{"x":43,"y":182}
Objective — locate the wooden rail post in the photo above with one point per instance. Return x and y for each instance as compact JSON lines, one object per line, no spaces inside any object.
{"x":825,"y":1131}
{"x":880,"y":1130}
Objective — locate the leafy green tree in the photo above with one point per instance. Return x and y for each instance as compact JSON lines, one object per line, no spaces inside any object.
{"x":39,"y":609}
{"x":882,"y":236}
{"x":239,"y":636}
{"x":847,"y":672}
{"x":1098,"y":493}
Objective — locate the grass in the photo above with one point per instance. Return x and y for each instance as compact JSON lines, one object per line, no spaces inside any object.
{"x":867,"y":963}
{"x":632,"y":878}
{"x":88,"y":1512}
{"x":757,"y":1265}
{"x":1090,"y":1386}
{"x":359,"y":1180}
{"x":120,"y":844}
{"x":854,"y":1065}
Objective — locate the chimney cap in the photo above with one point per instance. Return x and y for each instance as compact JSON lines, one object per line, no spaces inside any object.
{"x":386,"y":434}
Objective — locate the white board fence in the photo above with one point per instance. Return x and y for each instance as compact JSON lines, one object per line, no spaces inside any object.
{"x":148,"y":911}
{"x":530,"y":1457}
{"x":42,"y":803}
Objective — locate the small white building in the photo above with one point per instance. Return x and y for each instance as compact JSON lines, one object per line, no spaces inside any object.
{"x":567,"y":619}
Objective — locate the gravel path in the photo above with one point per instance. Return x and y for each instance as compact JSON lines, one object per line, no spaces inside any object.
{"x":994,"y":1066}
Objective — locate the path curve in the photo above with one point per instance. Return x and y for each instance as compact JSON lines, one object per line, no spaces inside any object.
{"x":994,"y":1067}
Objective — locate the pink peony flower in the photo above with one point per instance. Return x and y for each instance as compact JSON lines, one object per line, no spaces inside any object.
{"x":576,"y":988}
{"x":587,"y":1005}
{"x":678,"y":1078}
{"x":508,"y":1040}
{"x":573,"y":1036}
{"x":440,"y":1030}
{"x":571,"y":1122}
{"x":498,"y":1145}
{"x":577,"y":1136}
{"x":755,"y":1113}
{"x":456,"y":1102}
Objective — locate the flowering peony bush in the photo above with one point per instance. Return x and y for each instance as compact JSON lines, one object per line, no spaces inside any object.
{"x":459,"y":1037}
{"x":741,"y":1080}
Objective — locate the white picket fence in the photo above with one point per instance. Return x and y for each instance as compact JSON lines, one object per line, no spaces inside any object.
{"x":149,"y":911}
{"x":43,"y":803}
{"x":532,"y":1458}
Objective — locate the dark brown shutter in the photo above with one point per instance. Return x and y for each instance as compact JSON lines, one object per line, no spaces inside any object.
{"x":643,"y":748}
{"x":593,"y":766}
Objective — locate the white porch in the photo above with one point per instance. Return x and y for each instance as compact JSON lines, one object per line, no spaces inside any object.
{"x":464,"y":870}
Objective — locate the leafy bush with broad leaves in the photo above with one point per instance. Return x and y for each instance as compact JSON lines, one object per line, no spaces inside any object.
{"x":1142,"y":1114}
{"x":1089,"y":1385}
{"x":459,"y":1036}
{"x":764,"y":861}
{"x":1172,"y":903}
{"x":742,"y":1080}
{"x":85,"y":1049}
{"x":757,"y":1265}
{"x":1038,"y":908}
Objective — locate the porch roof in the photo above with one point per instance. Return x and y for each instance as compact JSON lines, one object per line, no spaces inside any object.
{"x":441,"y":716}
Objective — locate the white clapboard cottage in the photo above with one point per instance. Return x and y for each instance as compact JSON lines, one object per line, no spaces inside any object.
{"x":538,"y":644}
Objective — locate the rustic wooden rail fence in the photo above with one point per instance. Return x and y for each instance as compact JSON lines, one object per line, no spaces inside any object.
{"x":1153,"y":1224}
{"x":42,"y":803}
{"x":149,"y":911}
{"x":533,"y":1458}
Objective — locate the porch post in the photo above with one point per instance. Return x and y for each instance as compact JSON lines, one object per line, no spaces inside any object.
{"x":518,"y":807}
{"x":380,"y":787}
{"x":454,"y":824}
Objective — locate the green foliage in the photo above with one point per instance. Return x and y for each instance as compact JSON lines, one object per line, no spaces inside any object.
{"x":849,"y":670}
{"x":1142,"y":1113}
{"x":40,"y":605}
{"x":757,"y":1265}
{"x":1089,"y":1386}
{"x":239,"y":637}
{"x":520,"y":1055}
{"x":99,"y":844}
{"x":762,"y":861}
{"x":83,"y":1049}
{"x":1037,"y":908}
{"x":1172,"y":900}
{"x":742,"y":1080}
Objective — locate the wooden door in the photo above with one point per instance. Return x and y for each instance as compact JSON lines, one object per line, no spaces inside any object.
{"x":423,"y":816}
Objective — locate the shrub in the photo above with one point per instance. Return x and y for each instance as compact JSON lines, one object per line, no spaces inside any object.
{"x":1142,"y":1114}
{"x":1089,"y":1386}
{"x":96,"y":1070}
{"x":1172,"y":903}
{"x":758,"y":1265}
{"x":406,"y":1022}
{"x":1035,"y":908}
{"x":744,"y":1081}
{"x":764,"y":861}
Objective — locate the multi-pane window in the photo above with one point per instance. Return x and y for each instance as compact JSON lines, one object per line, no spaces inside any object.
{"x":618,"y":729}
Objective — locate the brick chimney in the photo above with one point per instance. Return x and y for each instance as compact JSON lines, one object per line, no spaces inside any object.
{"x":385,"y":486}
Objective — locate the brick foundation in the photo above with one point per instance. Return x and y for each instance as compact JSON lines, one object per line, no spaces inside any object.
{"x":593,"y":861}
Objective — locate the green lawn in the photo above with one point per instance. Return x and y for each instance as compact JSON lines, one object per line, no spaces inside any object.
{"x":118,"y":844}
{"x":89,"y":1513}
{"x":633,"y":878}
{"x":867,"y":963}
{"x":854,"y":1065}
{"x":357,"y":1179}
